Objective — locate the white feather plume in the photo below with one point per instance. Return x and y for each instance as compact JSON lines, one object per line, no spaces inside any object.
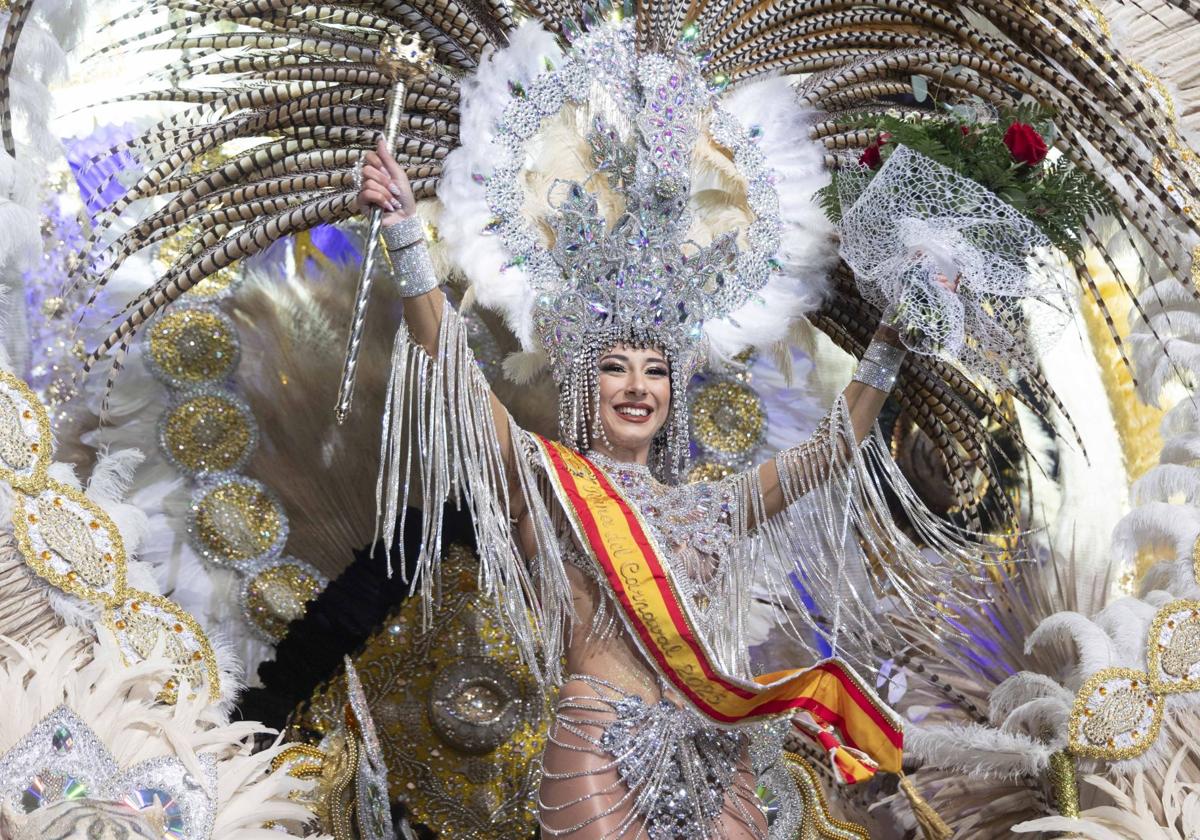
{"x":119,"y":704}
{"x":465,"y":212}
{"x":977,"y":751}
{"x":808,"y":248}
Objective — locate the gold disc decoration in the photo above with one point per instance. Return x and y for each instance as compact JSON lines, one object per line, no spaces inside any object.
{"x":460,"y":720}
{"x":207,"y":431}
{"x":236,"y":522}
{"x":277,"y":592}
{"x":71,"y":543}
{"x":728,"y":421}
{"x":191,"y":345}
{"x":709,"y":471}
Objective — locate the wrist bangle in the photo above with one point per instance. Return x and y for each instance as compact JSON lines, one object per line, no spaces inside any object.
{"x":403,"y":234}
{"x":413,"y":271}
{"x":875,"y":375}
{"x":884,"y":353}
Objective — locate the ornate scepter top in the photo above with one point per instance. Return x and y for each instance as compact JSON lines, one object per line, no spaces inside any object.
{"x":404,"y":58}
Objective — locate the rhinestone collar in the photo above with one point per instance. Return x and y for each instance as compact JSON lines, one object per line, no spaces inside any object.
{"x":610,"y":465}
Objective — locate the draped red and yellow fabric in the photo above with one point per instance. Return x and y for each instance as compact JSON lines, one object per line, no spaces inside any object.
{"x":830,"y":704}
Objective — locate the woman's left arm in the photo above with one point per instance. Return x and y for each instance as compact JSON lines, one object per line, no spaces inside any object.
{"x":863,"y":397}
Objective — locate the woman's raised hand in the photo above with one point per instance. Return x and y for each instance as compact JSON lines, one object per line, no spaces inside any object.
{"x":946,"y":283}
{"x":384,"y":185}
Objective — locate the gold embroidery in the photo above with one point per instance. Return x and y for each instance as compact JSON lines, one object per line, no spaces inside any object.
{"x":1173,"y":648}
{"x":816,"y":823}
{"x":69,"y":541}
{"x":1116,"y":715}
{"x":24,"y":436}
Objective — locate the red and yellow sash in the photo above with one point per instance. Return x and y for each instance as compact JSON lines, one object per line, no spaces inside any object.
{"x":843,"y":714}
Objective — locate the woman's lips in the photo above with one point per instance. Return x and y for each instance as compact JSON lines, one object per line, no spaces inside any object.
{"x":633,"y":418}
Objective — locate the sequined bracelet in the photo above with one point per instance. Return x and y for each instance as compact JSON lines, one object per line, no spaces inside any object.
{"x":876,"y":374}
{"x":413,"y":271}
{"x":885,"y":354}
{"x":404,"y":233}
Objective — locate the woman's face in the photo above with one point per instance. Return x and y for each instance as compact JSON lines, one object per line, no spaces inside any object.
{"x":635,"y":397}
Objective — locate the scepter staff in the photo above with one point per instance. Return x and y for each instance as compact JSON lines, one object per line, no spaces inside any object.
{"x":403,"y":60}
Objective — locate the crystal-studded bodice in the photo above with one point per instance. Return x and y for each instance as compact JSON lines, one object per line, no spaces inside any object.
{"x":691,"y":526}
{"x":690,"y":523}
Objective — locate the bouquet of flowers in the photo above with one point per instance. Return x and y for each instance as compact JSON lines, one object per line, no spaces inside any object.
{"x":981,"y":201}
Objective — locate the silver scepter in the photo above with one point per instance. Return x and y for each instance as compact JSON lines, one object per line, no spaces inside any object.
{"x":403,"y":60}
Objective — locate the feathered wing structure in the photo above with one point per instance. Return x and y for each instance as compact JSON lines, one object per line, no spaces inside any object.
{"x":289,"y":95}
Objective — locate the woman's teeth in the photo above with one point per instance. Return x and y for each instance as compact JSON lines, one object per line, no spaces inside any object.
{"x":633,"y":412}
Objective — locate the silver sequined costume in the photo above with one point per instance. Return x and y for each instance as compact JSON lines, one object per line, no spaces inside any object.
{"x":721,"y":550}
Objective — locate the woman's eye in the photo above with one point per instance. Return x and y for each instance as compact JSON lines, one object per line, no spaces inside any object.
{"x":657,"y":371}
{"x":611,"y":367}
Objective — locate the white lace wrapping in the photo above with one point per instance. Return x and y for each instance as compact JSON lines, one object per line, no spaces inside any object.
{"x":917,"y":219}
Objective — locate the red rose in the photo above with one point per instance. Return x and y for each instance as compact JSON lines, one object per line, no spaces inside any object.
{"x":965,"y":130}
{"x":1026,"y":145}
{"x":871,"y":156}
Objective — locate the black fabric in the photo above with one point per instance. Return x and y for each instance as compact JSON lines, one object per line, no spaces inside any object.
{"x":340,"y":621}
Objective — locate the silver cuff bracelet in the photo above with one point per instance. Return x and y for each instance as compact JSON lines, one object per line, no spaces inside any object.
{"x":404,"y":233}
{"x":885,"y":354}
{"x":875,"y":376}
{"x":413,"y":270}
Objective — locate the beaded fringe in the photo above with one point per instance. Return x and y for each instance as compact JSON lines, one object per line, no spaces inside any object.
{"x":836,"y":565}
{"x":439,"y":414}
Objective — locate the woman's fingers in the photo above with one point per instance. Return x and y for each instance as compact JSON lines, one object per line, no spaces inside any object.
{"x":373,"y":195}
{"x":395,"y":170}
{"x":374,"y":174}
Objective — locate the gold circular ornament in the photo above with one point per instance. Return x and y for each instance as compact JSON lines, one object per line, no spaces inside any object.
{"x":25,"y":441}
{"x":236,"y":522}
{"x":278,"y":592}
{"x":459,"y":718}
{"x":207,"y":431}
{"x":1116,"y":715}
{"x":709,"y":471}
{"x":191,"y":345}
{"x":728,"y":419}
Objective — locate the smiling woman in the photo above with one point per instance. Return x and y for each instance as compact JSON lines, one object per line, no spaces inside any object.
{"x":634,"y":402}
{"x":622,"y":584}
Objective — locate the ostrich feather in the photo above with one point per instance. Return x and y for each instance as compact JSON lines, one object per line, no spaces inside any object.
{"x":977,"y":751}
{"x":118,"y":702}
{"x":808,"y":249}
{"x":465,"y":212}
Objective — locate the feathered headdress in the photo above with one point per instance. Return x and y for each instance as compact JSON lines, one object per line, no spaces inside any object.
{"x":610,"y":194}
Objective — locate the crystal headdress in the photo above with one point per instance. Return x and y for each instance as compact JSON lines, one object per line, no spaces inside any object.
{"x":625,"y":250}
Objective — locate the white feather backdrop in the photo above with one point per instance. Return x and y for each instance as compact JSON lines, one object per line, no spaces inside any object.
{"x":52,"y":29}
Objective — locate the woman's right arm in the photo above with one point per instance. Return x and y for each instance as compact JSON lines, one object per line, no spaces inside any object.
{"x":384,"y":185}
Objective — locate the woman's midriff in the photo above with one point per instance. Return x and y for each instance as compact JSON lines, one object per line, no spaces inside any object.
{"x":612,"y":658}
